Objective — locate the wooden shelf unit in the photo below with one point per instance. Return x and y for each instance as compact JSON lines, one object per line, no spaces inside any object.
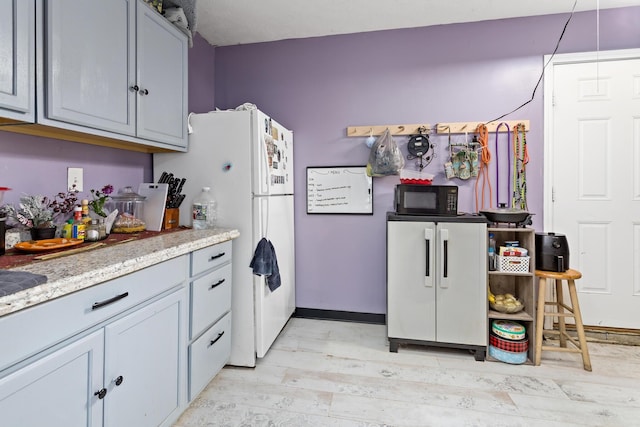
{"x":521,"y":285}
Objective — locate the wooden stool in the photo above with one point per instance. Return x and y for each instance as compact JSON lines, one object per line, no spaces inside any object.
{"x":562,"y":311}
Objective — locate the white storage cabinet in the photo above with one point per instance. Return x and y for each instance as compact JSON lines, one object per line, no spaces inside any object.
{"x":17,"y":61}
{"x":112,"y":355}
{"x":436,"y":282}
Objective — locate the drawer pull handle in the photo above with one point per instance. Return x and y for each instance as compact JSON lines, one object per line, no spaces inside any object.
{"x":109,"y":301}
{"x":215,"y":285}
{"x":220,"y":255}
{"x":101,"y":393}
{"x":217,"y":338}
{"x":119,"y":380}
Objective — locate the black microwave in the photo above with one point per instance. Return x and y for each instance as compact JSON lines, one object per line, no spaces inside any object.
{"x":426,"y":199}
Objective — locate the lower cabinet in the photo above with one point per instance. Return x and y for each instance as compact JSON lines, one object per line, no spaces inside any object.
{"x":436,"y":282}
{"x":132,"y":351}
{"x":57,"y":390}
{"x":143,"y":352}
{"x":125,"y":374}
{"x":210,"y":315}
{"x":208,"y":354}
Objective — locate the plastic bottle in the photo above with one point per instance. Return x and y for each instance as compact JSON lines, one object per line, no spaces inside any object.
{"x":79,"y":227}
{"x":85,"y":212}
{"x":67,"y":230}
{"x":492,"y":253}
{"x":204,"y":212}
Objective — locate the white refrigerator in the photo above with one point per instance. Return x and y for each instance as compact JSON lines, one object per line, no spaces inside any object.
{"x":247,"y":159}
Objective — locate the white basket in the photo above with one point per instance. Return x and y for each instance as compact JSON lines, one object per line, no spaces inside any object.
{"x":513,"y":264}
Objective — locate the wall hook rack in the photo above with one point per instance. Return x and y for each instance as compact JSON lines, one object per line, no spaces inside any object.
{"x":468,"y":127}
{"x":364,"y":131}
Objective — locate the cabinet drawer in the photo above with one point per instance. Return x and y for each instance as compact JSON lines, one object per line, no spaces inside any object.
{"x":34,"y":329}
{"x":211,"y":257}
{"x":208,"y":354}
{"x":210,"y":298}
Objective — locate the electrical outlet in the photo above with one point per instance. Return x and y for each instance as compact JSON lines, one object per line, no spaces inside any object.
{"x":74,"y":177}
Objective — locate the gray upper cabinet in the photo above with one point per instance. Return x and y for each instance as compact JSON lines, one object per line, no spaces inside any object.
{"x":17,"y":61}
{"x":90,"y":63}
{"x":162,"y":94}
{"x":114,"y":69}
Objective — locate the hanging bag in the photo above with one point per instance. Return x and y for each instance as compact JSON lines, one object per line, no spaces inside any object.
{"x":385,"y":157}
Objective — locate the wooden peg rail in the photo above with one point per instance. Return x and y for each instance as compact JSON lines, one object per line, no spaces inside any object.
{"x":379,"y":130}
{"x":470,"y":127}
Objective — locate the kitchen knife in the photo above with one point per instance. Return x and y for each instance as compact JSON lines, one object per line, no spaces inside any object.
{"x":179,"y":189}
{"x":179,"y":201}
{"x":162,"y":177}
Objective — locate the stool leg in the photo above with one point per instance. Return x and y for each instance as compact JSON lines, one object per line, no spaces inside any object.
{"x":560,"y":309}
{"x":542,"y":290}
{"x":579,"y":326}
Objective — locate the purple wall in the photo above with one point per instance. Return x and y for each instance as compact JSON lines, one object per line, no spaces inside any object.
{"x":464,"y":72}
{"x":36,"y":165}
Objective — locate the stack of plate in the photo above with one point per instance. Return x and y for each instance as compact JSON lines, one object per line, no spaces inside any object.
{"x":508,"y":342}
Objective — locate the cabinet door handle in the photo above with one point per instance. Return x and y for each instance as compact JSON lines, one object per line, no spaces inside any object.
{"x":446,"y":259}
{"x":220,"y":255}
{"x":215,"y":285}
{"x":144,"y":92}
{"x":134,"y":88}
{"x":101,"y":393}
{"x":428,"y":237}
{"x":427,"y":259}
{"x":217,"y":338}
{"x":119,"y":380}
{"x":109,"y":301}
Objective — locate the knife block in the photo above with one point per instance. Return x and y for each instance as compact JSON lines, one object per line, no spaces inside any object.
{"x":171,"y":218}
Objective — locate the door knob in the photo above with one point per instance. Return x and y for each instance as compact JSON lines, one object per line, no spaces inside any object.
{"x":101,"y":393}
{"x":119,"y":380}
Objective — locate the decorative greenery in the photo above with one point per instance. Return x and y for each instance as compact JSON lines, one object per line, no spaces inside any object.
{"x":38,"y":211}
{"x":100,"y":198}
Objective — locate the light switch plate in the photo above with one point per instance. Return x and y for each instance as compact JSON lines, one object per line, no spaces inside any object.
{"x":74,"y":176}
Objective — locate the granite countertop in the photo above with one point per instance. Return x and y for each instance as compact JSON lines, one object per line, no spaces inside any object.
{"x":75,"y":272}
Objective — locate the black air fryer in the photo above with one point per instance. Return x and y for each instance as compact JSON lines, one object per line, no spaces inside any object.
{"x":552,"y":252}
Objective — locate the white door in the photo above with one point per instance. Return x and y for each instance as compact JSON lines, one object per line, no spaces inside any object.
{"x":593,"y":179}
{"x":274,"y":220}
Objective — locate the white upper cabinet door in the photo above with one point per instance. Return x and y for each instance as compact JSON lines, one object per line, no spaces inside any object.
{"x":17,"y":59}
{"x":162,"y":79}
{"x":90,"y":63}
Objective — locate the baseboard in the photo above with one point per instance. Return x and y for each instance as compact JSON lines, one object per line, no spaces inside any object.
{"x":347,"y":316}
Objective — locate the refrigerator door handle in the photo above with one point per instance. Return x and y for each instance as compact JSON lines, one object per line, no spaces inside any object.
{"x":428,"y":277}
{"x":266,"y":165}
{"x":444,"y":242}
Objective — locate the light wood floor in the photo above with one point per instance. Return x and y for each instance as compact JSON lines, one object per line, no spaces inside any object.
{"x":328,"y":373}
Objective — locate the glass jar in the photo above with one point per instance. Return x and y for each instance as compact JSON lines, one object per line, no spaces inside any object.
{"x":130,"y":206}
{"x":93,"y":232}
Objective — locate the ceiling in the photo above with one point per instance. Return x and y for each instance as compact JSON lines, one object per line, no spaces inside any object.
{"x":232,"y":22}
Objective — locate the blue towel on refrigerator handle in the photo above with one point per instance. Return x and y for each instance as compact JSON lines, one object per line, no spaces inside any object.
{"x":265,"y":263}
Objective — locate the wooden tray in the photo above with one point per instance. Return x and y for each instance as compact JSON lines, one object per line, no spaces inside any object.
{"x":35,"y":246}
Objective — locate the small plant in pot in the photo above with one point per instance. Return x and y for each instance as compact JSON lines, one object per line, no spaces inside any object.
{"x":38,"y":213}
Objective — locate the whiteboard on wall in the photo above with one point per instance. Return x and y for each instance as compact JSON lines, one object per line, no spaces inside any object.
{"x":339,"y":190}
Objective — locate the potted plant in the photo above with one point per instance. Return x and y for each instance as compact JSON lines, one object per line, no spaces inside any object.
{"x":38,"y":213}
